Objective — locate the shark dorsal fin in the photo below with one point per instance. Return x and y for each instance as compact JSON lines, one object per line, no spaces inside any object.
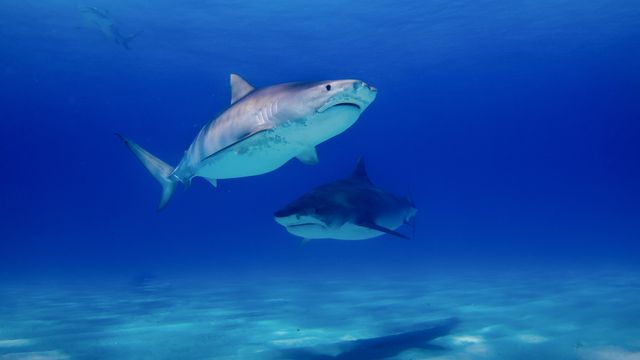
{"x":360,"y":172}
{"x":239,"y":87}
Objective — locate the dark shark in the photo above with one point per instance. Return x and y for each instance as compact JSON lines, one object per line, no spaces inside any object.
{"x":378,"y":348}
{"x":101,"y":20}
{"x":347,"y":209}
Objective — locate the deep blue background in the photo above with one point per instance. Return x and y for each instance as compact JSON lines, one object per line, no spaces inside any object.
{"x":516,"y":125}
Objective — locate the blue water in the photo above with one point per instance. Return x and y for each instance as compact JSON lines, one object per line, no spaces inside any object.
{"x":514,"y":126}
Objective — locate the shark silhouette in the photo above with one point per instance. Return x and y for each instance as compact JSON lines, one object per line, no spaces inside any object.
{"x":378,"y":348}
{"x":347,"y":209}
{"x":101,"y":20}
{"x":262,"y":129}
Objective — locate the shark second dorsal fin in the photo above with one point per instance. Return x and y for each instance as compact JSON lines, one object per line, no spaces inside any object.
{"x":239,"y":87}
{"x":360,"y":172}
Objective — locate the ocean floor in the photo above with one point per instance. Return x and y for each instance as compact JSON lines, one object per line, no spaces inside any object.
{"x":500,"y":315}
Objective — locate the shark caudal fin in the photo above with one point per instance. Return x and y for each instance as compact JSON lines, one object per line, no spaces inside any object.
{"x":127,"y":39}
{"x":158,"y":168}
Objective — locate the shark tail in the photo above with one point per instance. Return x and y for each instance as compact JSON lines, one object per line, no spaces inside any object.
{"x":127,"y":39}
{"x":158,"y":168}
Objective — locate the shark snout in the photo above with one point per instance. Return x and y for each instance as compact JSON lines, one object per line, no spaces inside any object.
{"x":361,"y":84}
{"x":289,"y":217}
{"x":285,"y":212}
{"x":354,"y":93}
{"x":286,"y":216}
{"x":279,"y":214}
{"x":283,"y":219}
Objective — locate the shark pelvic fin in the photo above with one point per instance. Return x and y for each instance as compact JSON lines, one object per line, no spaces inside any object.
{"x":158,"y":168}
{"x":374,"y":226}
{"x":308,"y":156}
{"x":360,"y":172}
{"x":239,"y":87}
{"x":304,"y":242}
{"x":412,"y":224}
{"x":213,"y":182}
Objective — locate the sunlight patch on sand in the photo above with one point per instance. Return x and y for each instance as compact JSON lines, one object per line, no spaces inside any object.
{"x":466,"y":339}
{"x":490,"y":328}
{"x":294,"y":341}
{"x":608,"y":353}
{"x":348,"y":338}
{"x":532,"y":338}
{"x":8,"y":343}
{"x":39,"y":355}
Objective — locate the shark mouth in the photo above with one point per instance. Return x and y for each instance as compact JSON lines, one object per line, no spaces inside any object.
{"x":292,"y":220}
{"x":347,"y":104}
{"x":305,"y":224}
{"x":344,"y":104}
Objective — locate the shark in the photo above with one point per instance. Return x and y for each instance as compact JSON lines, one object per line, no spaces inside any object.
{"x":377,"y":348}
{"x":348,"y":209}
{"x":101,"y":20}
{"x":261,"y":130}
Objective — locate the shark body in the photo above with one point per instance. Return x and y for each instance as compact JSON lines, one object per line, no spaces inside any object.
{"x":262,"y":129}
{"x":347,"y":209}
{"x":101,"y":20}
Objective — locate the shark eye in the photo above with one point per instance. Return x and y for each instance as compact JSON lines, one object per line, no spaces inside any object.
{"x":328,"y":87}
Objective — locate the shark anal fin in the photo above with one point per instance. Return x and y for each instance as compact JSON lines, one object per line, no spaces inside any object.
{"x":246,"y":137}
{"x":239,"y":87}
{"x":309,"y":156}
{"x":374,"y":226}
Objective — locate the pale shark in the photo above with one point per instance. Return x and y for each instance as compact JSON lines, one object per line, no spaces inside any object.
{"x":262,"y":129}
{"x":101,"y":20}
{"x":347,"y":209}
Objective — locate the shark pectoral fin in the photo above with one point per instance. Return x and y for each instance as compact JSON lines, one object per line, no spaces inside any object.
{"x":239,"y":87}
{"x":304,"y":242}
{"x":246,"y":137}
{"x":213,"y":182}
{"x":374,"y":226}
{"x":187,"y":183}
{"x":308,"y":156}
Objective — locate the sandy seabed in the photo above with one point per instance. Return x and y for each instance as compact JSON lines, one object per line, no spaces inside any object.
{"x":501,"y":315}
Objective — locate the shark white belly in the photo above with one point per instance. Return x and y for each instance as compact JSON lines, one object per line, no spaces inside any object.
{"x":348,"y":231}
{"x":270,"y":149}
{"x":256,"y":156}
